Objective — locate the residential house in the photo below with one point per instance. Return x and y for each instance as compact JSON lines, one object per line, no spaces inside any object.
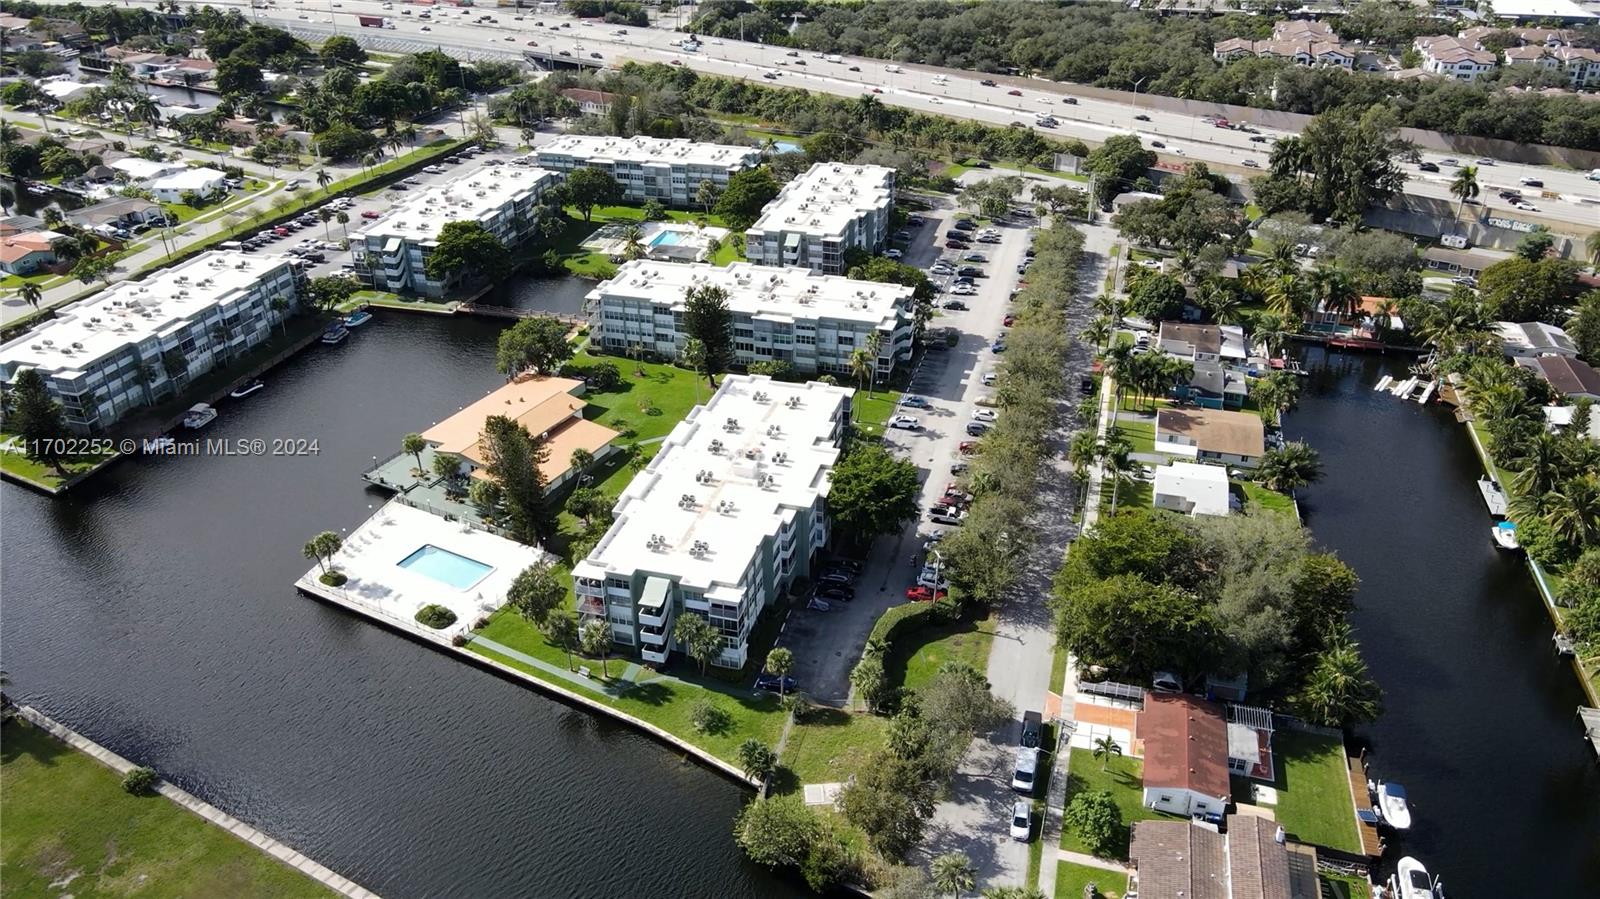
{"x":1451,"y":58}
{"x":1203,"y":343}
{"x":1580,"y":65}
{"x":1210,"y":435}
{"x":727,"y":518}
{"x":1176,"y":860}
{"x":1468,"y":263}
{"x":1192,"y":489}
{"x":141,"y":170}
{"x":1570,"y":377}
{"x":1369,"y":319}
{"x":1520,"y":339}
{"x":64,"y":90}
{"x":551,"y":410}
{"x":1212,"y":385}
{"x":1303,"y":42}
{"x":12,"y":225}
{"x":29,"y":252}
{"x":201,"y":181}
{"x":813,"y":321}
{"x":590,"y":102}
{"x":1185,"y":755}
{"x":117,"y":211}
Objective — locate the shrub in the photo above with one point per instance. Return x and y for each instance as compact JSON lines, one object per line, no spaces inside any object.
{"x":1095,"y":818}
{"x":708,"y":717}
{"x":139,"y":781}
{"x":461,"y":639}
{"x":333,"y":578}
{"x":435,"y":616}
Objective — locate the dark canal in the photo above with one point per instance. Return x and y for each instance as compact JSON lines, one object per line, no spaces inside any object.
{"x":153,"y":612}
{"x":1480,"y":720}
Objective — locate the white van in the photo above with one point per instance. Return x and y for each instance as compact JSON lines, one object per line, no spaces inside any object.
{"x":1027,"y":768}
{"x":892,"y":68}
{"x":233,"y":246}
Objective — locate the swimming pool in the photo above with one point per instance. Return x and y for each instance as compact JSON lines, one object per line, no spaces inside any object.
{"x":666,"y":238}
{"x":446,"y":567}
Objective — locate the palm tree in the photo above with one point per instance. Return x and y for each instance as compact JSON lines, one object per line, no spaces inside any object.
{"x":875,"y":350}
{"x":862,"y":365}
{"x":326,"y":215}
{"x":1464,"y":186}
{"x":632,"y":247}
{"x":694,"y":353}
{"x":1334,"y":291}
{"x":31,"y":294}
{"x":1116,"y":464}
{"x":323,"y":178}
{"x":1105,"y":748}
{"x":780,"y":661}
{"x":280,"y":306}
{"x":953,"y":872}
{"x":1097,"y":332}
{"x":1541,"y":465}
{"x":1573,"y":510}
{"x":1446,"y":325}
{"x":414,"y":444}
{"x":1294,"y":465}
{"x":1592,"y":244}
{"x":343,"y":218}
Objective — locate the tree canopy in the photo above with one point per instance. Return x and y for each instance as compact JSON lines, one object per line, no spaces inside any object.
{"x":748,"y":192}
{"x":873,"y":492}
{"x":537,"y":343}
{"x":467,"y":249}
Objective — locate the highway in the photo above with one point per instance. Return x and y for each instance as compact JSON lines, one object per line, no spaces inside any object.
{"x":1567,"y":202}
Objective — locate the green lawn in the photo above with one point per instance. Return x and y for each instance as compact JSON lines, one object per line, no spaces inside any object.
{"x":873,"y":411}
{"x":181,"y":211}
{"x":1313,"y":785}
{"x":587,"y":264}
{"x":68,"y":819}
{"x":1141,"y":434}
{"x":1123,"y":779}
{"x":384,"y":299}
{"x":1260,"y":498}
{"x":644,"y":407}
{"x":726,"y":253}
{"x":832,"y":745}
{"x":1131,"y":494}
{"x":1072,"y":878}
{"x":918,"y":656}
{"x":1345,"y":886}
{"x":665,"y":702}
{"x":18,"y":464}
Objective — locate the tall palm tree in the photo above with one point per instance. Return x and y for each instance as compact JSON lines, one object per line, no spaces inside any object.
{"x":1097,"y":332}
{"x":1334,"y":291}
{"x":31,"y":293}
{"x":1464,"y":186}
{"x":862,"y":365}
{"x":326,"y":215}
{"x":1106,"y":747}
{"x":953,"y":872}
{"x":343,"y":218}
{"x":1295,"y":465}
{"x":1573,"y":511}
{"x":1541,"y":465}
{"x":323,"y":178}
{"x":632,"y":245}
{"x":875,"y":350}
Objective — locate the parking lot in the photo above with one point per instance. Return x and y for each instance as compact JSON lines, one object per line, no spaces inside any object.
{"x":950,"y":382}
{"x":307,"y":236}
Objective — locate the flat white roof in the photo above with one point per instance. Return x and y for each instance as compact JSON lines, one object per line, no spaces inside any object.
{"x":701,"y":509}
{"x":778,"y":293}
{"x":468,"y":198}
{"x":827,"y":198}
{"x":673,"y":151}
{"x":1540,"y":9}
{"x":1204,"y":485}
{"x":188,"y":179}
{"x":143,"y":169}
{"x":130,"y":312}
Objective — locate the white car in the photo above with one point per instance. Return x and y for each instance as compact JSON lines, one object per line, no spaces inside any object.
{"x":963,"y":290}
{"x":985,"y":415}
{"x":905,"y":423}
{"x":989,"y":378}
{"x":893,"y":254}
{"x":1022,"y":821}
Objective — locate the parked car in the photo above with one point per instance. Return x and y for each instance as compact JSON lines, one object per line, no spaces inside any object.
{"x":919,"y":593}
{"x":955,"y":306}
{"x":1009,"y":320}
{"x":970,"y":271}
{"x":985,"y":415}
{"x":1022,"y":821}
{"x":1086,"y":386}
{"x":905,"y":423}
{"x":836,"y":593}
{"x":974,"y":257}
{"x":965,"y":448}
{"x":892,"y":254}
{"x":772,"y":683}
{"x":1022,"y":777}
{"x":946,"y":515}
{"x":965,"y":289}
{"x":835,"y":577}
{"x":1032,"y":729}
{"x":912,"y":401}
{"x":976,"y":429}
{"x":959,"y":467}
{"x":371,"y":214}
{"x":966,"y":225}
{"x":818,"y":605}
{"x":850,"y":566}
{"x":955,"y":245}
{"x":1251,"y":164}
{"x":998,"y":346}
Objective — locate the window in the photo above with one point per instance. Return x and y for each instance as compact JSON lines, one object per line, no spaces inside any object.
{"x":619,"y":582}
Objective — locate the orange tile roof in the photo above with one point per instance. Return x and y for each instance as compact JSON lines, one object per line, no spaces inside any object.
{"x":460,"y":432}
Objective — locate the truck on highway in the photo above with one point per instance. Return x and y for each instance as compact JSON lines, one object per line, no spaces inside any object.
{"x":892,"y":68}
{"x":374,"y":22}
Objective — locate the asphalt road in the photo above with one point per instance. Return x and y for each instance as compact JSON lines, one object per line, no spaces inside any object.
{"x":1568,"y":198}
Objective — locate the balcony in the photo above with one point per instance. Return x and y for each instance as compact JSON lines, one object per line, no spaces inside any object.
{"x":656,"y":657}
{"x":653,"y":636}
{"x":658,"y":617}
{"x":591,"y":605}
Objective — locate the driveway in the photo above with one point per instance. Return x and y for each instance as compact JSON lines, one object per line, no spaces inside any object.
{"x":827,"y":645}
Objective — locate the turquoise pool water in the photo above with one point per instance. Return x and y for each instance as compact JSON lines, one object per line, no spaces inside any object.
{"x":665,"y":238}
{"x":446,"y":567}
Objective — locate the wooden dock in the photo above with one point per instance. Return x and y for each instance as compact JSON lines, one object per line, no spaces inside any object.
{"x":1370,"y":846}
{"x":1590,"y":719}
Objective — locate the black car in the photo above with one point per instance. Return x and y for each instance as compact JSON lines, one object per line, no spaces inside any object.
{"x":976,"y":429}
{"x":1141,"y":118}
{"x":987,"y":82}
{"x":772,"y":683}
{"x":966,"y":225}
{"x":836,"y":593}
{"x":850,"y":566}
{"x":829,"y":578}
{"x":1428,"y":166}
{"x":970,"y":271}
{"x":956,"y":235}
{"x":955,"y":306}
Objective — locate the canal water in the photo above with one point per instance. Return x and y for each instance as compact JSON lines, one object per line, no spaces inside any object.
{"x":153,"y":612}
{"x":1480,"y":718}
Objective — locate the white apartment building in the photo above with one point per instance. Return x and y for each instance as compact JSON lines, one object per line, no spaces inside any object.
{"x":724,"y":519}
{"x":822,"y":213}
{"x":393,"y":251}
{"x":814,"y":321}
{"x":650,"y":168}
{"x":138,"y":342}
{"x":1452,"y":58}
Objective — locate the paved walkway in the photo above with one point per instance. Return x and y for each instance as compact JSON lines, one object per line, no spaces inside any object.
{"x":1089,"y":861}
{"x":614,"y":687}
{"x":286,"y":854}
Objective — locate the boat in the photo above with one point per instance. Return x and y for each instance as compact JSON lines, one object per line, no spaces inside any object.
{"x":198,"y":416}
{"x":335,"y":334}
{"x":1412,"y":881}
{"x":357,"y":318}
{"x":241,"y":392}
{"x":1505,"y":535}
{"x":1391,"y":801}
{"x":1384,"y":382}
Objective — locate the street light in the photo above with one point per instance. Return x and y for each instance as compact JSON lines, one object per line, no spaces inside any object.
{"x":1136,"y":90}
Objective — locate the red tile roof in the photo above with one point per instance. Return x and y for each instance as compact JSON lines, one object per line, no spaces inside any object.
{"x":1185,"y":744}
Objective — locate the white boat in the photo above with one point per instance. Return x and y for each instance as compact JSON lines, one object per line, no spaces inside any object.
{"x":335,"y":334}
{"x":357,"y":318}
{"x":247,"y":389}
{"x":1384,"y":382}
{"x":1412,"y":881}
{"x":1505,"y":535}
{"x":198,"y":416}
{"x":1392,"y":805}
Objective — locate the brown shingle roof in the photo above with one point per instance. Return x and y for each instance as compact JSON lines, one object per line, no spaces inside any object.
{"x":1185,"y":744}
{"x":1204,"y":338}
{"x":1212,"y":430}
{"x":1177,"y":860}
{"x":1258,"y":865}
{"x":1566,"y":375}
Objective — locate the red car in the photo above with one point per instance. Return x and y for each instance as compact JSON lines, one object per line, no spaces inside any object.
{"x":877,"y":90}
{"x":1014,"y":93}
{"x":967,"y":447}
{"x":371,"y":214}
{"x":924,"y":594}
{"x":1008,"y":320}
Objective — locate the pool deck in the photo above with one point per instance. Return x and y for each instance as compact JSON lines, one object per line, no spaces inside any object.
{"x":378,"y":585}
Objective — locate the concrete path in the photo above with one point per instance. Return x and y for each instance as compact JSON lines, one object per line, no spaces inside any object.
{"x":286,"y":854}
{"x":1089,"y":861}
